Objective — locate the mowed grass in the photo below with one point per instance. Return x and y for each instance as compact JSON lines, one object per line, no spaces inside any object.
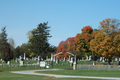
{"x":97,"y":73}
{"x":7,"y":75}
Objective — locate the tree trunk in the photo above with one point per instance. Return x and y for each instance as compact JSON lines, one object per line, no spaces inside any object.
{"x":109,"y":61}
{"x":118,"y":61}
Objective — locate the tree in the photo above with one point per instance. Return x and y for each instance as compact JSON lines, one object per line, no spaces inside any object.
{"x":106,"y":40}
{"x":7,"y":53}
{"x":77,"y":37}
{"x":38,"y":39}
{"x":3,"y":39}
{"x":95,"y":44}
{"x":83,"y":43}
{"x":11,"y":43}
{"x":17,"y":52}
{"x":110,"y":27}
{"x":5,"y":50}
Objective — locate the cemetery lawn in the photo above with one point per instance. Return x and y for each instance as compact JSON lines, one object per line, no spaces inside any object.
{"x":6,"y":75}
{"x":95,"y":73}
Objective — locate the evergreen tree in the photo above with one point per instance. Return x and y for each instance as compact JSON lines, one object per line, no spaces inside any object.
{"x":5,"y":51}
{"x":38,"y":40}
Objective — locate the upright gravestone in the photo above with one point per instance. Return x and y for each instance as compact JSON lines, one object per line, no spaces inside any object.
{"x":87,"y":58}
{"x":8,"y":63}
{"x":16,"y":60}
{"x":100,"y":58}
{"x":90,"y":58}
{"x":54,"y":58}
{"x":51,"y":56}
{"x":103,"y":59}
{"x":24,"y":56}
{"x":39,"y":59}
{"x":20,"y":58}
{"x":57,"y":60}
{"x":27,"y":58}
{"x":21,"y":61}
{"x":71,"y":62}
{"x":64,"y":59}
{"x":116,"y":59}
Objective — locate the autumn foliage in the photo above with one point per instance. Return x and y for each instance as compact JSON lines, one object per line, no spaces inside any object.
{"x":87,"y":29}
{"x":104,"y":41}
{"x":66,"y":46}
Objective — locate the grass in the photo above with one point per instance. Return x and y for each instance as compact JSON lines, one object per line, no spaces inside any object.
{"x":6,"y":75}
{"x":97,"y":73}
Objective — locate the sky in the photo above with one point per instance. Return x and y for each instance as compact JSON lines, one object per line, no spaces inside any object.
{"x":66,"y":17}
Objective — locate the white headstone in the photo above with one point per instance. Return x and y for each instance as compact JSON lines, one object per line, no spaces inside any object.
{"x":90,"y":58}
{"x":51,"y":57}
{"x":21,"y":63}
{"x":87,"y":58}
{"x":103,"y":59}
{"x":8,"y":63}
{"x":24,"y":56}
{"x":100,"y":58}
{"x":64,"y":59}
{"x":42,"y":64}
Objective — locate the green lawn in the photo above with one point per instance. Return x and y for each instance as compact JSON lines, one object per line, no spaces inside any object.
{"x":6,"y":75}
{"x":98,"y":73}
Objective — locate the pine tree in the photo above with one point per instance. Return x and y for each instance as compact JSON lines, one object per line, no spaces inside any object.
{"x":38,"y":39}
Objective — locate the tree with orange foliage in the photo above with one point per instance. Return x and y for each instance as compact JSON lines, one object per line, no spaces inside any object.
{"x":106,"y":42}
{"x":95,"y":44}
{"x":77,"y":37}
{"x":83,"y":40}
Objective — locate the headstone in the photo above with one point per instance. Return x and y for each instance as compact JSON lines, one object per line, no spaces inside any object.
{"x":20,"y":57}
{"x":119,"y":59}
{"x":21,"y":61}
{"x":16,"y":60}
{"x":27,"y":59}
{"x":72,"y":59}
{"x":116,"y":59}
{"x":103,"y":59}
{"x":90,"y":58}
{"x":46,"y":57}
{"x":100,"y":58}
{"x":54,"y":58}
{"x":42,"y":64}
{"x":39,"y":59}
{"x":51,"y":57}
{"x":87,"y":58}
{"x":75,"y":62}
{"x":8,"y":63}
{"x":57,"y":60}
{"x":24,"y":56}
{"x":64,"y":59}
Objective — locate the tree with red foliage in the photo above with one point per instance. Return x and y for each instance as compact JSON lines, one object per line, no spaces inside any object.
{"x":66,"y":46}
{"x":87,"y":29}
